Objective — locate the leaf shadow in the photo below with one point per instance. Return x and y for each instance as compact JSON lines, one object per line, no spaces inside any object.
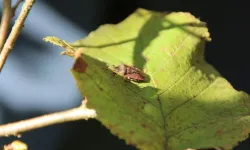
{"x":147,"y":33}
{"x":151,"y":30}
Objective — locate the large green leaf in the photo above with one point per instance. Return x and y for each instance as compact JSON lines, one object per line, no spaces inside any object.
{"x":184,"y":102}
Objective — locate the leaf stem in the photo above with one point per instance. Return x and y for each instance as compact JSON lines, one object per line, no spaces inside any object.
{"x":16,"y":30}
{"x":78,"y":113}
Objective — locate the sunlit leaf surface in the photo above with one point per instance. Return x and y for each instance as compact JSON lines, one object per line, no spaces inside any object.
{"x":183,"y":103}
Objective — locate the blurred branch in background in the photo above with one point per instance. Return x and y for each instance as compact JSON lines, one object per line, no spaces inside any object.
{"x":79,"y":113}
{"x":5,"y":22}
{"x":7,"y":14}
{"x":16,"y":30}
{"x":15,"y":7}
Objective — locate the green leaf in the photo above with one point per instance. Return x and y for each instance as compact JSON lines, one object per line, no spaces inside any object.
{"x":184,"y":102}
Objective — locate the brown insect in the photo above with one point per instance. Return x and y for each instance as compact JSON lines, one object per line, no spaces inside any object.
{"x":129,"y":72}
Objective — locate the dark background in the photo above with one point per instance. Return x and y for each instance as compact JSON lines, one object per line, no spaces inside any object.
{"x":228,"y":23}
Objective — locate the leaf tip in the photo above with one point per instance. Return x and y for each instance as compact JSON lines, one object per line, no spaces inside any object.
{"x":50,"y":38}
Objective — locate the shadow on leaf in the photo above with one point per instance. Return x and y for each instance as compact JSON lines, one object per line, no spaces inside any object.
{"x":149,"y":31}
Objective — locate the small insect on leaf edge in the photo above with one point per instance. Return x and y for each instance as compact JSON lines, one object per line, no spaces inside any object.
{"x":129,"y":72}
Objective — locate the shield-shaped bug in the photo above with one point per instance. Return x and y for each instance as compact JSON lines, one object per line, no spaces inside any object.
{"x":129,"y":72}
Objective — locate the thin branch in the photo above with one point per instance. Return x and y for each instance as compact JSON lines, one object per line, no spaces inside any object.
{"x":16,"y":128}
{"x":7,"y":14}
{"x":16,"y":30}
{"x":5,"y":21}
{"x":15,"y":7}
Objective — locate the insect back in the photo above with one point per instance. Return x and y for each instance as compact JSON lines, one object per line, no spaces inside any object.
{"x":130,"y":73}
